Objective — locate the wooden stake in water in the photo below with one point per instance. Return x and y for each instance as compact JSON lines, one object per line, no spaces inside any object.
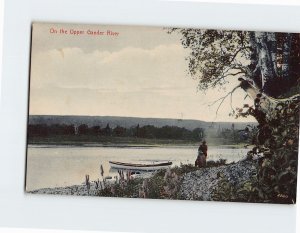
{"x":87,"y":183}
{"x":101,"y":170}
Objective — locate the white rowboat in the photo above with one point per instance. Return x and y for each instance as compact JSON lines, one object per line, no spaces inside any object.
{"x":139,"y":167}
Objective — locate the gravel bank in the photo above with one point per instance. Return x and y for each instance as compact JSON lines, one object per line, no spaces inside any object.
{"x":199,"y":185}
{"x":81,"y":189}
{"x":77,"y":190}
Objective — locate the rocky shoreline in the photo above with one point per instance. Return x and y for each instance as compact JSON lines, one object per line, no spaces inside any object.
{"x":196,"y":185}
{"x":76,"y":190}
{"x":79,"y":190}
{"x":201,"y":184}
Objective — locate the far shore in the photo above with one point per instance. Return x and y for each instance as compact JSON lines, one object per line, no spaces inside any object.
{"x":124,"y":142}
{"x":45,"y":145}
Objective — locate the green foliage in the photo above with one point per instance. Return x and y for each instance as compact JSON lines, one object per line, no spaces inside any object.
{"x":147,"y":131}
{"x":211,"y":163}
{"x":218,"y":56}
{"x":276,"y":143}
{"x":276,"y":147}
{"x":226,"y":191}
{"x":44,"y":130}
{"x":124,"y":188}
{"x":83,"y":129}
{"x":214,"y":54}
{"x":164,"y":184}
{"x":184,"y":168}
{"x":277,"y":177}
{"x":155,"y":187}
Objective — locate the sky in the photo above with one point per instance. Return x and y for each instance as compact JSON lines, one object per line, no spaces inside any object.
{"x":118,"y":71}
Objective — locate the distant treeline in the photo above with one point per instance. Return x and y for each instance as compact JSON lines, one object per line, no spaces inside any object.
{"x":147,"y":131}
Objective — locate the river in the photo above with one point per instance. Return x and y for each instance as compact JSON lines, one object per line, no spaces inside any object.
{"x":57,"y":166}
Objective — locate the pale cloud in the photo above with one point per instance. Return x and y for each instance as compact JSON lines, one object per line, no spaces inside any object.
{"x":129,"y":68}
{"x":143,"y":81}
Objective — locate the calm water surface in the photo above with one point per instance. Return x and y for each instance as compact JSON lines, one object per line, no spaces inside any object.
{"x":62,"y":166}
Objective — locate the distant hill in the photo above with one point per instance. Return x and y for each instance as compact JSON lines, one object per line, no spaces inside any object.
{"x":128,"y":122}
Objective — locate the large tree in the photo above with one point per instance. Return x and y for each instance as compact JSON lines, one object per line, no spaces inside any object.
{"x":267,"y":64}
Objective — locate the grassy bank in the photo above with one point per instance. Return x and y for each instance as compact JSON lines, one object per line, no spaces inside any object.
{"x":164,"y":184}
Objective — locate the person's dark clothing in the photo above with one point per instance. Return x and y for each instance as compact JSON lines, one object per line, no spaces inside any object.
{"x":203,"y":148}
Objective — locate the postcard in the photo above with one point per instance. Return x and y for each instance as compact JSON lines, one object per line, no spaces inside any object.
{"x":163,"y":113}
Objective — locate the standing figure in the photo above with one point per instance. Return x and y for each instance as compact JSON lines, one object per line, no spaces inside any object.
{"x":202,"y":155}
{"x":203,"y":148}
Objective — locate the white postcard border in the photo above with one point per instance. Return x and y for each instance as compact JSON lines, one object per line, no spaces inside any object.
{"x":18,"y":209}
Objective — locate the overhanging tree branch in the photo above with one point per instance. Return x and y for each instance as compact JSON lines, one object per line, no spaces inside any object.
{"x":222,"y":99}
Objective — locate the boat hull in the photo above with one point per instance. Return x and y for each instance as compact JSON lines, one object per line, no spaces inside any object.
{"x":139,"y":167}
